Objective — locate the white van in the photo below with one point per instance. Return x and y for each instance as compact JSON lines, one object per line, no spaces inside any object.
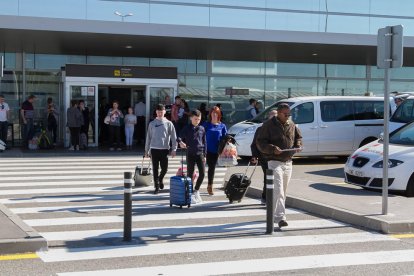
{"x":330,"y":125}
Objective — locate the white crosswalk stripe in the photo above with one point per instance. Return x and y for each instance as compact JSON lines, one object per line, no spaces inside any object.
{"x":76,"y":203}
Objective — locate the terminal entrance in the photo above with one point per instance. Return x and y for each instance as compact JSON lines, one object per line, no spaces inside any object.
{"x":99,"y":93}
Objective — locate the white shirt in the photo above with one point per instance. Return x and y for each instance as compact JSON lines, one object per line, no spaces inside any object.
{"x":4,"y":107}
{"x":139,"y":109}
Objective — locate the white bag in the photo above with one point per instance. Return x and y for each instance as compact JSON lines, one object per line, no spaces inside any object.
{"x":228,"y":157}
{"x":107,"y":120}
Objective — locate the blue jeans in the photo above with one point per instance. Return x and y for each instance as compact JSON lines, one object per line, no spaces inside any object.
{"x":28,"y":132}
{"x":129,"y":135}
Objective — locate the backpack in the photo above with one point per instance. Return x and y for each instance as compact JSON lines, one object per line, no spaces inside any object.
{"x":44,"y":141}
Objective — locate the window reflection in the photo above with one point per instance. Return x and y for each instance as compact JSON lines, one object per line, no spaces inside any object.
{"x":342,"y":71}
{"x":180,"y":15}
{"x":75,"y":9}
{"x":104,"y":10}
{"x":295,"y":21}
{"x":9,"y":7}
{"x":344,"y":87}
{"x":237,"y":18}
{"x":238,"y":67}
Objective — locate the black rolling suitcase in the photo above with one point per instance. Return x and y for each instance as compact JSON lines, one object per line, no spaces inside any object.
{"x":237,"y":185}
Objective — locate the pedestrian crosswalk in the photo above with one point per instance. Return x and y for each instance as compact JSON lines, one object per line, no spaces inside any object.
{"x":76,"y":203}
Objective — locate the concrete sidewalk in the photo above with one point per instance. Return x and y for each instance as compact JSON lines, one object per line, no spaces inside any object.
{"x":16,"y":236}
{"x":329,"y":197}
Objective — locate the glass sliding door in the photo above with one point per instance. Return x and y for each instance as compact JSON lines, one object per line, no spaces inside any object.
{"x":157,"y":95}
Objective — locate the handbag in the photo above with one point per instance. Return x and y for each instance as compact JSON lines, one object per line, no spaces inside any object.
{"x":107,"y":120}
{"x":228,"y":156}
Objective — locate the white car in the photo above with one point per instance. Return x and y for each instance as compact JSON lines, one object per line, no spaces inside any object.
{"x":330,"y":125}
{"x":364,"y":166}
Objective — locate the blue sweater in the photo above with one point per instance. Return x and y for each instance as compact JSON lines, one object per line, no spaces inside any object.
{"x":195,"y":139}
{"x":214,"y":133}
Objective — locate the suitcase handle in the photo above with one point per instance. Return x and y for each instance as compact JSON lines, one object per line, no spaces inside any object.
{"x":149,"y":162}
{"x":248,"y":166}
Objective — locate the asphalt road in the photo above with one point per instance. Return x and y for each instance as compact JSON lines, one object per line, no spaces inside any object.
{"x":76,"y":204}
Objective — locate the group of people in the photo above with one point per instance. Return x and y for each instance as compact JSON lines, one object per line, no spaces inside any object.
{"x":200,"y":140}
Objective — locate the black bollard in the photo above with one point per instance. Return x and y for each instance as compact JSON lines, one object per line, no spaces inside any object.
{"x":270,"y":209}
{"x":128,"y":206}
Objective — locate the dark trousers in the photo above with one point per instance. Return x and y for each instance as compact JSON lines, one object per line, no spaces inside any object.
{"x":263,"y":164}
{"x":114,"y":136}
{"x":53,"y":129}
{"x":140,"y":129}
{"x":211,"y":163}
{"x":192,"y":160}
{"x":28,"y":131}
{"x":159,"y":157}
{"x":74,"y":135}
{"x":3,"y":131}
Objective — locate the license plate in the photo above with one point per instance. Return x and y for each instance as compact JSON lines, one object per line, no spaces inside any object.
{"x":356,"y":173}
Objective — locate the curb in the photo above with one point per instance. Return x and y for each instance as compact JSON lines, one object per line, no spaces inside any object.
{"x":346,"y":216}
{"x":31,"y":243}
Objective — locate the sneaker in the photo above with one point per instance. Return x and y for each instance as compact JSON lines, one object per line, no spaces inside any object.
{"x":198,"y":196}
{"x":283,"y":223}
{"x":156,"y":191}
{"x":111,"y":149}
{"x":71,"y":148}
{"x":77,"y":148}
{"x":263,"y":201}
{"x":118,"y":149}
{"x":193,"y":199}
{"x":161,"y":185}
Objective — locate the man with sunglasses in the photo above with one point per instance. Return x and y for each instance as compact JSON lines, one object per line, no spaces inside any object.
{"x":278,"y":140}
{"x":4,"y":115}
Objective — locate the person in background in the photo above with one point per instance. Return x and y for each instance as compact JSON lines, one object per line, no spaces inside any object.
{"x":130,"y":122}
{"x":183,"y":114}
{"x":27,"y":116}
{"x":276,"y":135}
{"x":251,"y":109}
{"x":52,"y":119}
{"x":168,"y":105}
{"x":115,"y":116}
{"x":4,"y":116}
{"x":258,"y":107}
{"x":174,"y":110}
{"x":139,"y":111}
{"x":157,"y":145}
{"x":258,"y":157}
{"x":398,"y":100}
{"x":193,"y":138}
{"x":204,"y":112}
{"x":215,"y":131}
{"x":86,"y":118}
{"x":74,"y":123}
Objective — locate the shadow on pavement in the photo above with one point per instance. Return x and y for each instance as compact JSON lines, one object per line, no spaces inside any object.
{"x":343,"y":190}
{"x":338,"y":172}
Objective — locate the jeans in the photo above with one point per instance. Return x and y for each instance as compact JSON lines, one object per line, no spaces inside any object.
{"x":129,"y":135}
{"x":74,"y":135}
{"x":159,"y":157}
{"x":211,"y":163}
{"x":3,"y":131}
{"x":192,"y":160}
{"x":53,"y":129}
{"x":282,"y":171}
{"x":28,"y":131}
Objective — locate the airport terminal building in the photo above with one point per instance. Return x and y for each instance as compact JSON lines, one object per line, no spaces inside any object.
{"x":207,"y":51}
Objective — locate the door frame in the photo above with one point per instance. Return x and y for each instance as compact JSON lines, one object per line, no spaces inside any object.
{"x":96,"y":82}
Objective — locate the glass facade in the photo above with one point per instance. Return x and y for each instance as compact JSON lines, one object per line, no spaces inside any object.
{"x":337,"y":16}
{"x":206,"y":81}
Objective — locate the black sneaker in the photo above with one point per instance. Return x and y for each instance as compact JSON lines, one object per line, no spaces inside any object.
{"x":156,"y":191}
{"x":161,"y":185}
{"x":283,"y":223}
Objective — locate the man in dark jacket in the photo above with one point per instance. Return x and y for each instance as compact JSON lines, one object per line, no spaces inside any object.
{"x":257,"y":155}
{"x":278,"y":140}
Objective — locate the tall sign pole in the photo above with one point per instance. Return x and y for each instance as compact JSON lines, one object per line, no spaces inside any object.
{"x":389,"y":55}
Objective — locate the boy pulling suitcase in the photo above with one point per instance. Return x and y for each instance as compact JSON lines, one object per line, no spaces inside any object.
{"x":193,"y":138}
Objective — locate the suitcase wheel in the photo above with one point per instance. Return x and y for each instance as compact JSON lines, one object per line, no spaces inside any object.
{"x":181,"y":206}
{"x":189,"y":205}
{"x":230,"y":201}
{"x":170,"y":204}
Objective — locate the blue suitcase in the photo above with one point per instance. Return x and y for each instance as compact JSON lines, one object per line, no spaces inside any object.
{"x":181,"y":189}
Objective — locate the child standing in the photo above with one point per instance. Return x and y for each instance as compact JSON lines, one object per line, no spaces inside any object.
{"x":130,"y":122}
{"x":193,"y":137}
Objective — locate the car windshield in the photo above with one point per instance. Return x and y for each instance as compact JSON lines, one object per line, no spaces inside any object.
{"x":404,"y":113}
{"x":403,"y":136}
{"x":262,"y":116}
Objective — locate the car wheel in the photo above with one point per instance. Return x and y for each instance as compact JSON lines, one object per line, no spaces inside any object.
{"x":409,"y":191}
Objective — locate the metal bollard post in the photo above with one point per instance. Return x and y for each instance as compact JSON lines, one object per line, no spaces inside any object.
{"x":128,"y":206}
{"x":270,"y":209}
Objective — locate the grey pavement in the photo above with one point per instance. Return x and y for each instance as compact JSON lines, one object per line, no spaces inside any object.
{"x":320,"y":189}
